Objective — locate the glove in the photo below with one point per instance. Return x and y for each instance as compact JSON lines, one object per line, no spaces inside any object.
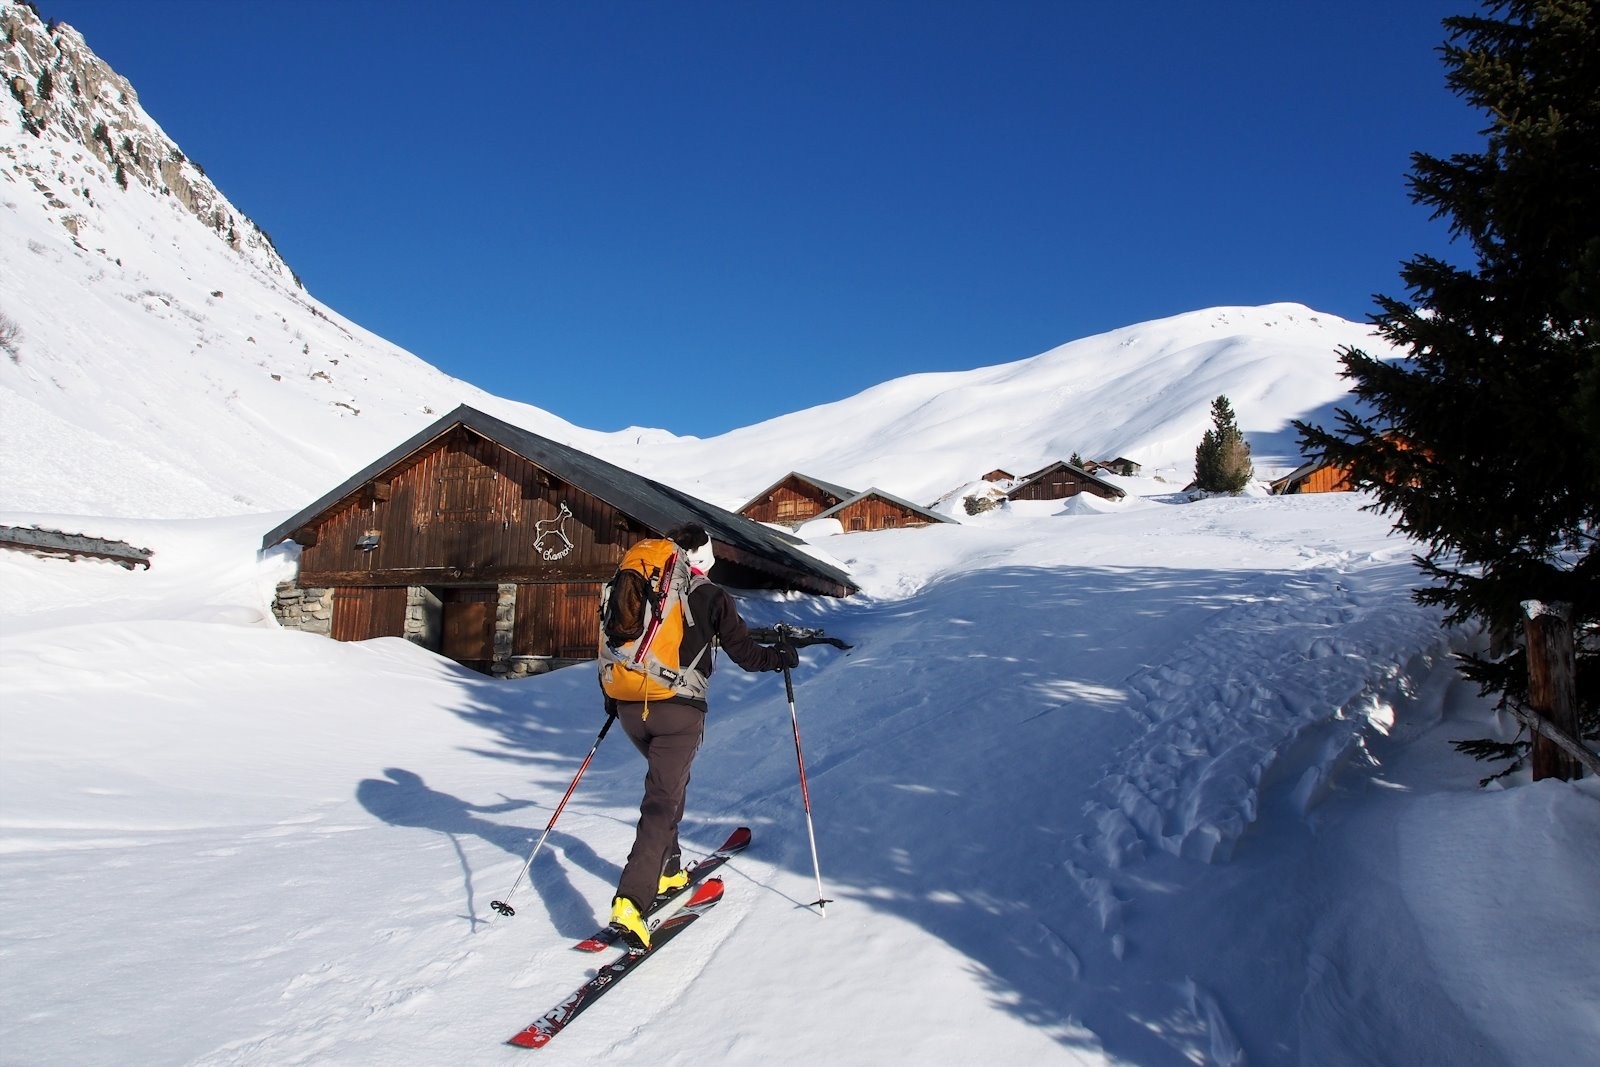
{"x":788,"y":655}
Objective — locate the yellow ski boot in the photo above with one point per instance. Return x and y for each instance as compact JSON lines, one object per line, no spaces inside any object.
{"x":625,"y":917}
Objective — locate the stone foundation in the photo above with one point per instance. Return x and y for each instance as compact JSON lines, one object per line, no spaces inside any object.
{"x":311,"y":611}
{"x":424,"y":616}
{"x":307,"y":610}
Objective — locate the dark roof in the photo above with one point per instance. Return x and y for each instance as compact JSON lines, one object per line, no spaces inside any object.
{"x":827,"y":487}
{"x":646,"y":501}
{"x":1036,"y":475}
{"x":931,"y":516}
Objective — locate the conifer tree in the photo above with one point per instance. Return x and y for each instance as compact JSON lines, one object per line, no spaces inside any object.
{"x":1222,"y":460}
{"x":1483,"y":442}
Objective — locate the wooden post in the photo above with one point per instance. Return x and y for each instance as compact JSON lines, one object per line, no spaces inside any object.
{"x":1552,"y":689}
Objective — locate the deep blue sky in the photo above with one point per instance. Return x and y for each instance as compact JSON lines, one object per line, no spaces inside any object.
{"x":573,"y":204}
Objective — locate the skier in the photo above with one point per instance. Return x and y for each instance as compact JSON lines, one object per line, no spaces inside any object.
{"x":668,"y":733}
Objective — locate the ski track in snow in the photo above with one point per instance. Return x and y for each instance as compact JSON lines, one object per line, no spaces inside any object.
{"x":1279,"y":681}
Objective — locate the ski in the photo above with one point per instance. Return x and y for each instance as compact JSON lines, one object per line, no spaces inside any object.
{"x":539,"y":1033}
{"x":737,"y":842}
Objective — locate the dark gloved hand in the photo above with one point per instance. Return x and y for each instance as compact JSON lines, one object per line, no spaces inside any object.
{"x":788,"y":654}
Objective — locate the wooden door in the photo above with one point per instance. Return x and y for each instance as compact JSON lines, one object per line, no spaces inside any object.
{"x":578,"y":620}
{"x":363,"y":612}
{"x":560,"y":619}
{"x":467,"y":626}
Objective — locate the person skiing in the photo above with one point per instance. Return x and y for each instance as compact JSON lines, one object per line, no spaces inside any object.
{"x":668,"y":732}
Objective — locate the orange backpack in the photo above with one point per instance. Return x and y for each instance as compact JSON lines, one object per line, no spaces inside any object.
{"x":644,"y":609}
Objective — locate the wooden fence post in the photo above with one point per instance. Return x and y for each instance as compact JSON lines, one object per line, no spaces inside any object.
{"x":1552,"y":688}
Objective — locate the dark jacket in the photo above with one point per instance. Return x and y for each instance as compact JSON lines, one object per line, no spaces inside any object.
{"x":717,"y":624}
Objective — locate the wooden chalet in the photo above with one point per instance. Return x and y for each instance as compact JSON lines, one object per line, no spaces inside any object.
{"x":999,"y":475}
{"x":1317,"y":476}
{"x":1061,"y":480}
{"x":488,"y":544}
{"x":1121,"y":465}
{"x":794,"y":499}
{"x":874,"y":509}
{"x":1323,"y":476}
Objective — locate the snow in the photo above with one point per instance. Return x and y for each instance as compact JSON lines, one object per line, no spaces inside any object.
{"x":1168,"y":783}
{"x":1156,"y":781}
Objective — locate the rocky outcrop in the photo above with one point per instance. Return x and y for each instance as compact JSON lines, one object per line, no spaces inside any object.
{"x":59,"y":90}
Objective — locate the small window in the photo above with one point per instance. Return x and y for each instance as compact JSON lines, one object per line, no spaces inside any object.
{"x":467,"y":493}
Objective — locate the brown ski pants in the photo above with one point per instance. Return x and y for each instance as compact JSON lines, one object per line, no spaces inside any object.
{"x":668,"y":736}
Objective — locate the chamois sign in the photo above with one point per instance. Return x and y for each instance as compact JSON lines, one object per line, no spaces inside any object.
{"x":552,"y":542}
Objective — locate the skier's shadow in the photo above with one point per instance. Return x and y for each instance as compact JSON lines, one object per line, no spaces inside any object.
{"x":404,"y":799}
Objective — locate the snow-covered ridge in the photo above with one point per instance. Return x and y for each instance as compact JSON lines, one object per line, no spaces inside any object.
{"x":156,"y":325}
{"x":1143,"y":392}
{"x":164,"y":361}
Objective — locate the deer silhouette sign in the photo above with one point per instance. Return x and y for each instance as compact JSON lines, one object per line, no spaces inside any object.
{"x":553,"y":527}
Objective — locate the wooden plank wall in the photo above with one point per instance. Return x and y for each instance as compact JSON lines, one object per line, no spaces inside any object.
{"x":1325,"y":480}
{"x":875,"y":513}
{"x":791,"y":502}
{"x":465,"y":511}
{"x":1057,"y":485}
{"x":557,"y":619}
{"x":361,"y":612}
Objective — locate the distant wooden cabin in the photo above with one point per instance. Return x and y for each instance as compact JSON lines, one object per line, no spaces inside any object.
{"x":1323,"y":476}
{"x":999,"y":475}
{"x":1061,"y":480}
{"x":794,"y":499}
{"x":874,"y":509}
{"x":1317,"y":476}
{"x":488,"y":544}
{"x":1121,"y":465}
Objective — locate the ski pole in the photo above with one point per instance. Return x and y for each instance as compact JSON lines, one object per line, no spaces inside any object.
{"x":503,"y":906}
{"x":805,"y":794}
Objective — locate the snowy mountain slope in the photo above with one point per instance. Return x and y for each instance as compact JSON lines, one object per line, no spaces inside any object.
{"x":1143,"y":392}
{"x":160,"y":312}
{"x":148,"y":306}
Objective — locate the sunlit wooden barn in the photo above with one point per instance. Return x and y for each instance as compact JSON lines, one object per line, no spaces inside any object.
{"x":794,"y":499}
{"x":1061,"y":480}
{"x":488,"y":544}
{"x":874,"y":509}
